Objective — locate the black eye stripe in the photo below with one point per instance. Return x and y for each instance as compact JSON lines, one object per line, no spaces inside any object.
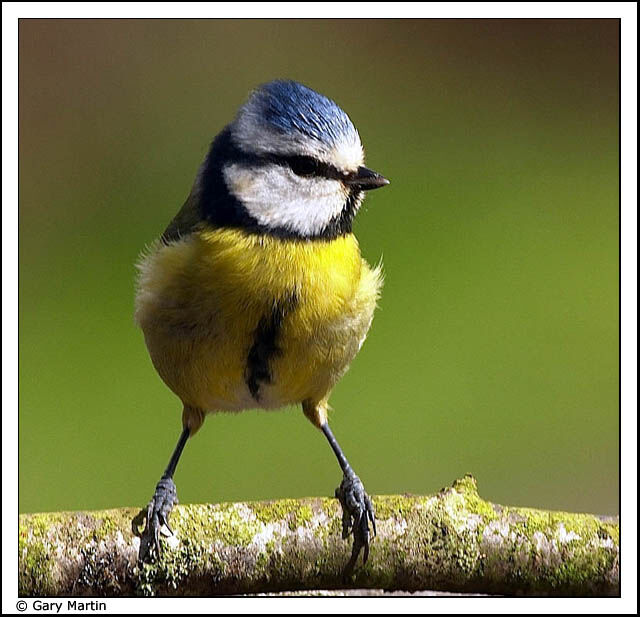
{"x":309,"y":166}
{"x":305,"y":166}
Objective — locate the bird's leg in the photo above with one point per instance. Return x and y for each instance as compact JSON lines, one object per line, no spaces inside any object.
{"x":357,"y":510}
{"x":161,"y":504}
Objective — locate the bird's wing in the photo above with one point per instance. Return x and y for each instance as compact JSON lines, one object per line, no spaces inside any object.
{"x":185,"y":222}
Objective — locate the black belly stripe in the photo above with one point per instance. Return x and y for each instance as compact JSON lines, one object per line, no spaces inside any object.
{"x":265,"y":345}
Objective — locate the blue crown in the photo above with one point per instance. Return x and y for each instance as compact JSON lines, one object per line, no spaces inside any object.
{"x":289,"y":106}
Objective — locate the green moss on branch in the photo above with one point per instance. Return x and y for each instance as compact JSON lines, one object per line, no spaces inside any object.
{"x":451,"y":541}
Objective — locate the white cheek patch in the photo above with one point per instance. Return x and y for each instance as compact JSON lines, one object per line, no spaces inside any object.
{"x":275,"y":197}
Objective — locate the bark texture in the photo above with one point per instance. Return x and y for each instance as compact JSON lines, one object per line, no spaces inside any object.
{"x":452,"y":541}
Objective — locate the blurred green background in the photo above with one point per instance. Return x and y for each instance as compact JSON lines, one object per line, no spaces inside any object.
{"x":495,"y":348}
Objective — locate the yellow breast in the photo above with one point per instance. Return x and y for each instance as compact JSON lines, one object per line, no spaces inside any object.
{"x":200,"y":301}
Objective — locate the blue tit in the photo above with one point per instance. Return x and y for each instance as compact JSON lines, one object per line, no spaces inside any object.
{"x":256,"y":295}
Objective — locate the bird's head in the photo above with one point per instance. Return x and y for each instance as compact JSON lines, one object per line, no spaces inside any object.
{"x":290,"y":164}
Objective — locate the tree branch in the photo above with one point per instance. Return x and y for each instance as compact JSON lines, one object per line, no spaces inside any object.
{"x":452,"y":541}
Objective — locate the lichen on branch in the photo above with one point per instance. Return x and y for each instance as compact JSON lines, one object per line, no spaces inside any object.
{"x":451,"y":541}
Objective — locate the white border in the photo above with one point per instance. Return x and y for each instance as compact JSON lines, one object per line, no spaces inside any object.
{"x":285,"y":10}
{"x":629,"y":306}
{"x":11,"y":11}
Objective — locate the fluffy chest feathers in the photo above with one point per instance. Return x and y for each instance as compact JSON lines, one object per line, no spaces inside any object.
{"x":235,"y":320}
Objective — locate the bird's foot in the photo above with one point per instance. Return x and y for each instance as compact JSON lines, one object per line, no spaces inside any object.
{"x":357,"y":512}
{"x":157,"y":514}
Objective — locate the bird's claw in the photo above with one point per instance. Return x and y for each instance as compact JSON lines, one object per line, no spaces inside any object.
{"x":357,"y":512}
{"x":158,"y":509}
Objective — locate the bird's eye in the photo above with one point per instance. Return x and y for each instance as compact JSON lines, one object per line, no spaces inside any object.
{"x":303,"y":165}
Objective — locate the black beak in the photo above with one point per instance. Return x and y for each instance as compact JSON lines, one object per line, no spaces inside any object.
{"x":365,"y":180}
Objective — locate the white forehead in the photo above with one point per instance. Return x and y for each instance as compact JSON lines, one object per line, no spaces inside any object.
{"x":293,"y":120}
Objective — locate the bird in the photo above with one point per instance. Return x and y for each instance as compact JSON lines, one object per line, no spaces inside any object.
{"x":256,"y":295}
